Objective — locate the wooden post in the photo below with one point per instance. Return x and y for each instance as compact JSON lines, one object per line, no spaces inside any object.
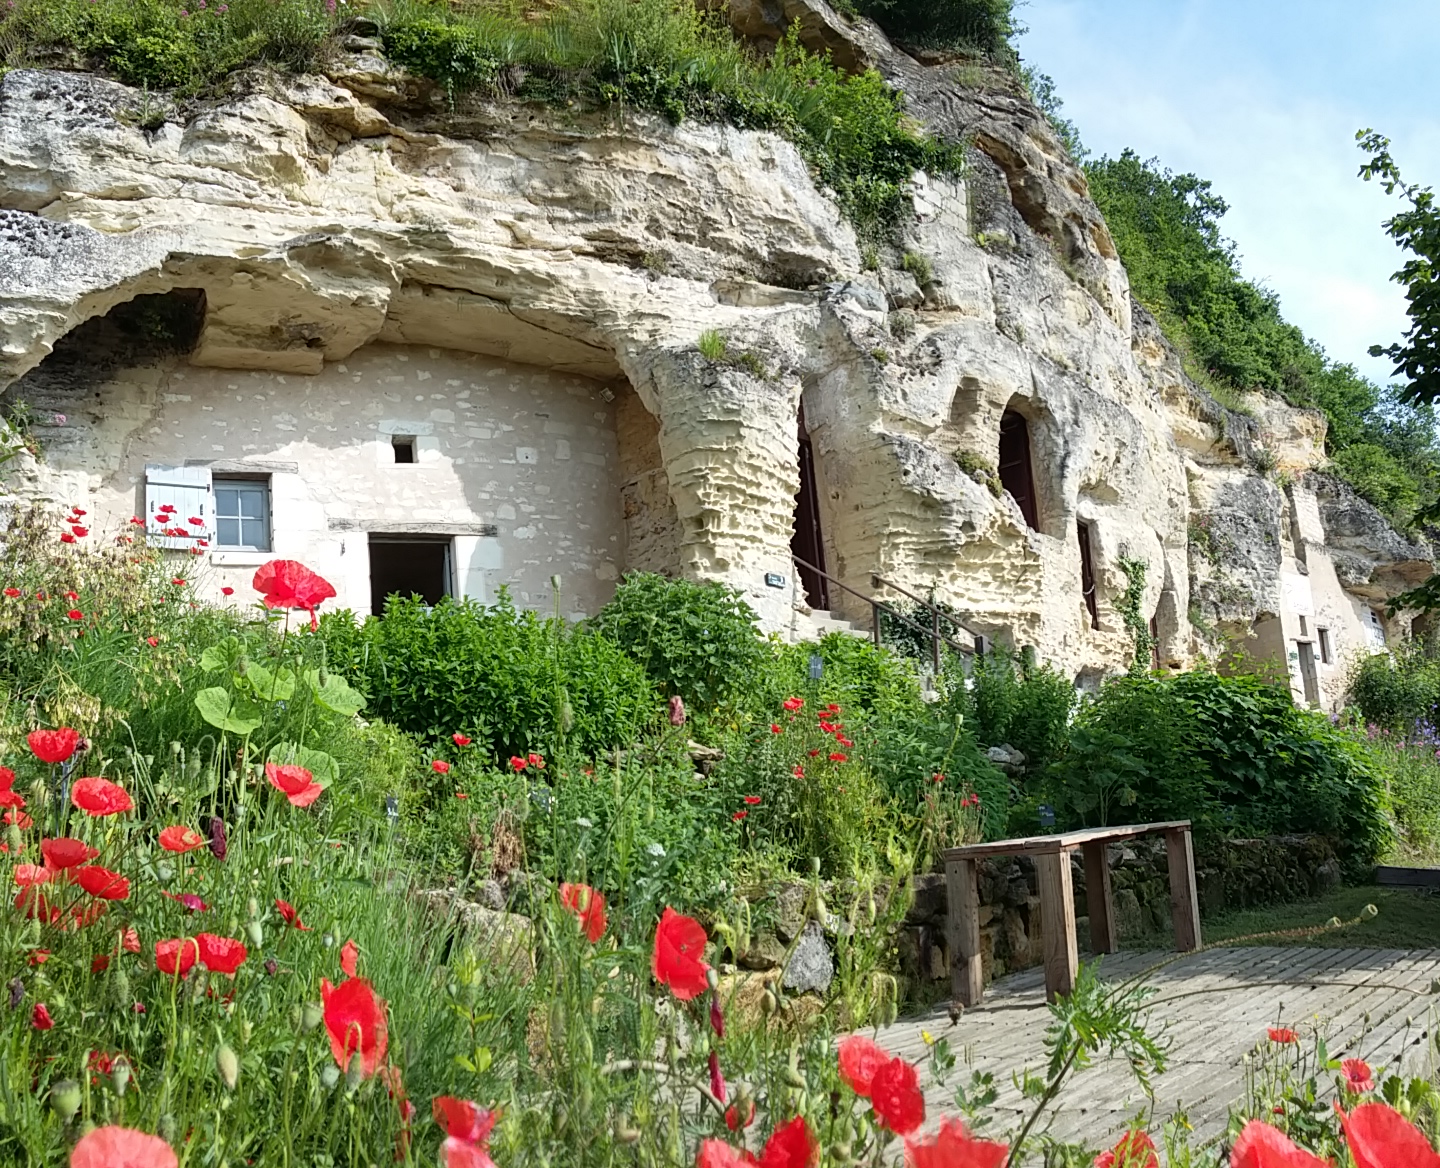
{"x":962,"y":891}
{"x":1057,"y":907}
{"x":1184,"y":903}
{"x":1098,"y":898}
{"x":875,"y":620}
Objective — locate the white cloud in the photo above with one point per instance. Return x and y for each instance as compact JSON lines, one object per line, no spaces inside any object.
{"x":1264,"y":100}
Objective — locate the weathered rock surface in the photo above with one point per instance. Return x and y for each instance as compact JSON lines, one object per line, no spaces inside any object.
{"x":811,"y":966}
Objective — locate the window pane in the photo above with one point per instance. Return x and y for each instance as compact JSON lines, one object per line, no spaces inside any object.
{"x":227,"y":501}
{"x":252,"y":502}
{"x":227,"y":532}
{"x":253,"y":533}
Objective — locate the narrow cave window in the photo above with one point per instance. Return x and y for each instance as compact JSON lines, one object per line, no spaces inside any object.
{"x":1087,"y":575}
{"x":1324,"y":635}
{"x":1016,"y":473}
{"x":404,"y":447}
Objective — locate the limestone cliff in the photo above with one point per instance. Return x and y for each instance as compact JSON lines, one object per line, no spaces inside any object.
{"x":324,"y":227}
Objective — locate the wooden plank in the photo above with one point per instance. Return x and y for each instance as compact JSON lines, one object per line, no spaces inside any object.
{"x":1184,"y":902}
{"x":1103,"y":936}
{"x":1039,"y":845}
{"x":1057,"y":907}
{"x":962,"y":888}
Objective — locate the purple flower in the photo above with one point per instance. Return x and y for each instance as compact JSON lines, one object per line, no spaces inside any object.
{"x":218,"y":846}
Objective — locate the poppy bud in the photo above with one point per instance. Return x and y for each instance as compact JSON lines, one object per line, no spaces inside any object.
{"x":166,"y":1129}
{"x":65,"y":1099}
{"x":712,"y":979}
{"x":769,"y":1003}
{"x":120,"y":987}
{"x":218,"y":846}
{"x":355,"y":1072}
{"x":165,"y":872}
{"x":255,"y":933}
{"x":17,"y":992}
{"x":329,"y":1076}
{"x":120,"y":1076}
{"x":841,"y":1152}
{"x":717,"y":1019}
{"x":677,"y":710}
{"x":271,"y":968}
{"x":252,"y":908}
{"x":228,"y":1064}
{"x":626,"y":1134}
{"x":815,"y":865}
{"x":328,"y":940}
{"x":310,"y":1017}
{"x":567,"y":716}
{"x":13,"y":839}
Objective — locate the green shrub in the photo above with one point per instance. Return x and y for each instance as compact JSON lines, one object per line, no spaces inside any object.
{"x":1018,"y":703}
{"x":982,"y":26}
{"x":1398,"y":691}
{"x":511,"y":678}
{"x":695,"y":640}
{"x":1232,"y":754}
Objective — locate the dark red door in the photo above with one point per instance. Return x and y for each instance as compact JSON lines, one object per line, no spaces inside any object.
{"x":807,"y":543}
{"x":1016,"y":475}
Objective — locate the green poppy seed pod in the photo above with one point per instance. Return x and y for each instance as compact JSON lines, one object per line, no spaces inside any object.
{"x":252,"y":908}
{"x":842,"y":1153}
{"x":794,"y":1078}
{"x":228,"y":1064}
{"x":165,"y":871}
{"x":815,"y":865}
{"x":295,"y":1015}
{"x":585,"y":1097}
{"x":768,"y":1003}
{"x":65,"y":1099}
{"x":310,"y":1017}
{"x":328,"y":940}
{"x":256,"y":934}
{"x":870,"y":912}
{"x":167,"y":1129}
{"x":176,"y":750}
{"x":355,"y":1072}
{"x":567,"y":716}
{"x":120,"y":987}
{"x":1369,"y":912}
{"x":13,"y":838}
{"x":247,"y":1028}
{"x":120,"y":1076}
{"x":329,"y":1076}
{"x":821,"y":912}
{"x":712,"y":979}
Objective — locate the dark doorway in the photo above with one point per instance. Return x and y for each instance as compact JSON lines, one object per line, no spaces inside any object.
{"x":807,"y":543}
{"x":1016,"y":474}
{"x":408,"y":566}
{"x":1087,"y":575}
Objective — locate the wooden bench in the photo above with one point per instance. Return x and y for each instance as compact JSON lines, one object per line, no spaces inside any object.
{"x":1057,"y":899}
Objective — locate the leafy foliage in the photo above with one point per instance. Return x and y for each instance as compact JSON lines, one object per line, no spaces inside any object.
{"x":1166,"y":228}
{"x":980,"y":26}
{"x":1015,"y":702}
{"x":696,"y":640}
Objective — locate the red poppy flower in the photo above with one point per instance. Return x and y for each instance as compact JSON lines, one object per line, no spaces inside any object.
{"x":72,"y":596}
{"x":739,"y":815}
{"x":179,"y":838}
{"x":467,"y":1128}
{"x":753,"y":800}
{"x":290,"y":916}
{"x":31,"y":901}
{"x":75,"y":614}
{"x":717,"y":1080}
{"x":18,"y":818}
{"x":179,"y":581}
{"x":1135,"y":1149}
{"x":440,"y":767}
{"x":37,"y":957}
{"x":719,"y":1154}
{"x":102,"y":883}
{"x":588,"y":907}
{"x":176,"y":956}
{"x":1358,"y":1076}
{"x":130,"y":941}
{"x":136,"y":521}
{"x":791,"y":1146}
{"x":80,"y":532}
{"x":28,"y":875}
{"x":53,"y":746}
{"x":793,"y":704}
{"x":188,"y":899}
{"x":675,"y":710}
{"x":1380,"y":1137}
{"x":953,"y":1147}
{"x":66,"y":853}
{"x":1261,"y":1146}
{"x":1283,"y":1034}
{"x":290,"y":584}
{"x":40,"y":1017}
{"x":461,"y":795}
{"x":295,"y":782}
{"x":461,"y":739}
{"x":195,"y":521}
{"x":843,"y":741}
{"x":355,"y":1020}
{"x":220,"y":954}
{"x":66,"y":537}
{"x":836,"y":756}
{"x":677,"y":961}
{"x":12,"y":593}
{"x":859,"y":1060}
{"x":350,"y":958}
{"x":96,"y":796}
{"x":227,"y":591}
{"x":536,"y":760}
{"x":100,"y":963}
{"x":776,"y":728}
{"x":121,"y":1147}
{"x":896,"y":1096}
{"x":734,"y":1121}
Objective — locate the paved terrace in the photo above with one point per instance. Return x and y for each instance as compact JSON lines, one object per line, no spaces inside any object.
{"x":1214,"y":1006}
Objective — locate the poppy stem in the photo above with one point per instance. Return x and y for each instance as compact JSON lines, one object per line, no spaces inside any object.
{"x":615,"y":1068}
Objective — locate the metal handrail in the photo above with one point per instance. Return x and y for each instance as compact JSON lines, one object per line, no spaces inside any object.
{"x":879,"y":581}
{"x":877,"y":605}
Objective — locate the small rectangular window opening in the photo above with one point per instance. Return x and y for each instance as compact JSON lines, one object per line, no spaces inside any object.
{"x":404,"y":447}
{"x":242,"y":514}
{"x":1324,"y":635}
{"x":1303,"y":631}
{"x":1087,"y":575}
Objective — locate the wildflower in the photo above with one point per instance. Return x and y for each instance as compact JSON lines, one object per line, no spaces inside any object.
{"x":776,"y":728}
{"x":536,"y":760}
{"x":152,"y":641}
{"x":938,"y":779}
{"x":102,"y":883}
{"x":75,"y":614}
{"x":66,"y":537}
{"x":188,"y":899}
{"x":290,"y":584}
{"x":836,"y":756}
{"x":179,"y":838}
{"x":799,"y":771}
{"x":814,"y":754}
{"x":676,"y":711}
{"x":272,"y":967}
{"x":717,"y":1016}
{"x":218,"y":845}
{"x":739,"y":815}
{"x":1358,"y":1076}
{"x":220,"y":954}
{"x":40,"y":1017}
{"x":179,"y":581}
{"x":953,"y":1147}
{"x":517,"y":764}
{"x":1135,"y":1149}
{"x":350,"y":958}
{"x":66,"y":853}
{"x":1283,"y":1035}
{"x":176,"y":956}
{"x":1380,"y":1137}
{"x":18,"y":818}
{"x":461,"y":795}
{"x":121,"y":1147}
{"x":130,"y":941}
{"x":678,"y":958}
{"x":461,"y":739}
{"x":72,"y":596}
{"x":1262,"y":1146}
{"x":355,"y":1020}
{"x":588,"y":907}
{"x":136,"y":521}
{"x":296,"y":783}
{"x":791,"y":1146}
{"x":859,"y":1059}
{"x":99,"y":797}
{"x":843,"y":741}
{"x":227,"y":591}
{"x":717,"y":1080}
{"x":467,"y":1132}
{"x":195,"y":520}
{"x":53,"y":746}
{"x":793,"y":704}
{"x":734,"y":1121}
{"x":37,"y":957}
{"x":895,"y":1094}
{"x":290,"y":916}
{"x":79,"y":532}
{"x":100,"y":963}
{"x":440,"y":766}
{"x":12,"y":593}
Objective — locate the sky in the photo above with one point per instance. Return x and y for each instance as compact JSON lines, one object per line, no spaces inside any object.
{"x":1263,"y":98}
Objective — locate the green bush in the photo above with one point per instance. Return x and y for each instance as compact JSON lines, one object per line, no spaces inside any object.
{"x":695,"y":640}
{"x":510,"y":678}
{"x":1399,"y":691}
{"x":1018,"y":703}
{"x":1232,"y":754}
{"x":982,"y":26}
